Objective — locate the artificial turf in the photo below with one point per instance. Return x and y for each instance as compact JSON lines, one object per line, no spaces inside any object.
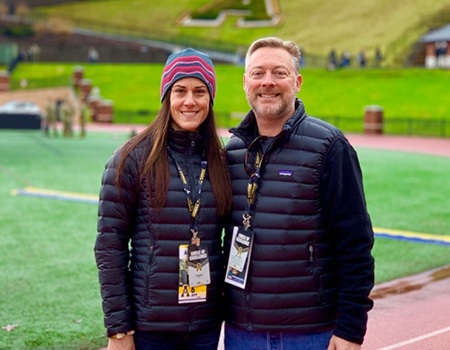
{"x":49,"y":286}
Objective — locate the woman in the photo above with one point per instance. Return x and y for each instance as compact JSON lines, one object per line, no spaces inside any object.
{"x":163,"y":197}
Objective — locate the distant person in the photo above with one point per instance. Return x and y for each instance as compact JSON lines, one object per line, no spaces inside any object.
{"x":84,"y":117}
{"x":59,"y":103}
{"x":378,"y":57}
{"x":240,"y":58}
{"x":163,"y":200}
{"x":361,"y":59}
{"x":441,"y":53}
{"x":345,"y":59}
{"x":21,"y":56}
{"x":300,"y":268}
{"x":332,"y":60}
{"x":34,"y":52}
{"x":67,"y":116}
{"x":93,"y":55}
{"x":50,"y":118}
{"x":302,"y":58}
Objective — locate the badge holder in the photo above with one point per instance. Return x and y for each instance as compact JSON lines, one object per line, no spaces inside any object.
{"x":186,"y":292}
{"x":239,"y":259}
{"x":243,"y":236}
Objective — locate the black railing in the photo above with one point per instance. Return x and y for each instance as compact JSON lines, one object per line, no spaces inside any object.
{"x":396,"y":126}
{"x":392,"y":126}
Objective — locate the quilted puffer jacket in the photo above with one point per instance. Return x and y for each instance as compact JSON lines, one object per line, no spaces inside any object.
{"x":137,"y":248}
{"x":311,"y":267}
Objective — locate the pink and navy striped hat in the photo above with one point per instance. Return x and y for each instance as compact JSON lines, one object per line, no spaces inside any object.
{"x":187,"y":64}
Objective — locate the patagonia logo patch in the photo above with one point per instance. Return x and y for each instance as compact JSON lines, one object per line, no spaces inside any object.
{"x":282,"y":172}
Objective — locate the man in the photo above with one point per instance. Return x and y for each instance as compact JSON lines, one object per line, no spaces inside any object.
{"x":300,"y":268}
{"x":50,"y":118}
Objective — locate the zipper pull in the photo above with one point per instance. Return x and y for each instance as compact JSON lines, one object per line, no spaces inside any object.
{"x":311,"y":253}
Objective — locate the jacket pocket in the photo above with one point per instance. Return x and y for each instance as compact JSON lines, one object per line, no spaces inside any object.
{"x":148,"y":272}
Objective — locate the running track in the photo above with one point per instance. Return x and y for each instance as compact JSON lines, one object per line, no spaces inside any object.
{"x":411,"y":313}
{"x":424,"y":145}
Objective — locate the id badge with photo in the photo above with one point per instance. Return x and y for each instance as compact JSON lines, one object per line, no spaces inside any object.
{"x":240,"y":249}
{"x":198,"y":265}
{"x":239,"y":258}
{"x":186,"y":292}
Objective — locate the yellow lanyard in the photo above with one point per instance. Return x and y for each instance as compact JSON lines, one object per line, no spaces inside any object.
{"x":192,"y":207}
{"x":251,"y":191}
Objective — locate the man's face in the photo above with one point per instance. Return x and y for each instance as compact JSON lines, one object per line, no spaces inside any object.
{"x":271,"y":83}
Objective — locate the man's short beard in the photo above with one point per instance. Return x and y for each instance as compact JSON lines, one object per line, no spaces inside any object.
{"x":273,"y":112}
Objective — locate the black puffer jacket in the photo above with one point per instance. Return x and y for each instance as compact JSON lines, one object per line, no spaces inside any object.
{"x":311,"y":267}
{"x":139,"y":290}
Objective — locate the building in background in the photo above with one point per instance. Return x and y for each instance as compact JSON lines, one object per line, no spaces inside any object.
{"x":437,"y":47}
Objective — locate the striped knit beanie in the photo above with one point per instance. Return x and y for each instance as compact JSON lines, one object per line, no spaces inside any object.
{"x":187,"y":64}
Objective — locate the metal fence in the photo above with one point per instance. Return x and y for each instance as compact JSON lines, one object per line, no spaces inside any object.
{"x":396,"y":126}
{"x":392,"y":126}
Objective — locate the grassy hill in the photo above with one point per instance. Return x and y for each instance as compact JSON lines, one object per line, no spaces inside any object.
{"x":317,"y":26}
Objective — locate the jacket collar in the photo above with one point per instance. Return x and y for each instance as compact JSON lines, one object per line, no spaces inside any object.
{"x":247,"y":130}
{"x":181,"y":141}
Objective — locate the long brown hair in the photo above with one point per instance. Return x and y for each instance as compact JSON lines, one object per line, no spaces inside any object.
{"x":155,"y":167}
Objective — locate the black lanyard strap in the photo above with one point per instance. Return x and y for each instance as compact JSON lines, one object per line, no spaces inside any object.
{"x":193,"y":207}
{"x":253,"y":181}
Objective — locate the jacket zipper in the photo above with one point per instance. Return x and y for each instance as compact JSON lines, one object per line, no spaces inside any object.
{"x":147,"y":283}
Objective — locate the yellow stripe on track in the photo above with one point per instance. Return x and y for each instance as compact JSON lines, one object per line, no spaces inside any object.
{"x":53,"y":194}
{"x":93,"y":199}
{"x":412,"y":236}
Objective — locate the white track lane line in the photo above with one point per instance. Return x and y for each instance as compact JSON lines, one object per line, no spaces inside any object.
{"x":415,"y":340}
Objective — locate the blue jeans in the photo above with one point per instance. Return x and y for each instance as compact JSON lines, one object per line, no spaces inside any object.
{"x":204,"y":340}
{"x":239,"y":339}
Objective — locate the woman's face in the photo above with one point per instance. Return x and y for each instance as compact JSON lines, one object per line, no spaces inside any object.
{"x":189,"y":104}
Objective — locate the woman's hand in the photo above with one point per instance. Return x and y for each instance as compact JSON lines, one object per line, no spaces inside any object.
{"x":126,"y":343}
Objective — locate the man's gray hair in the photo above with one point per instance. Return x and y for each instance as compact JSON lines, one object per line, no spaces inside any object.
{"x":275,"y":42}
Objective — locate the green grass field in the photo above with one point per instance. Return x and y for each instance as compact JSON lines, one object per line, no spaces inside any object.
{"x":49,"y":279}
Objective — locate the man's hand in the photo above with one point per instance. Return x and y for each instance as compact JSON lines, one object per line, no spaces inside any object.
{"x":337,"y":343}
{"x":126,"y":343}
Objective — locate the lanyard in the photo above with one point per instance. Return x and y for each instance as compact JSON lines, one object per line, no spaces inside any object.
{"x":252,"y":186}
{"x":192,"y":207}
